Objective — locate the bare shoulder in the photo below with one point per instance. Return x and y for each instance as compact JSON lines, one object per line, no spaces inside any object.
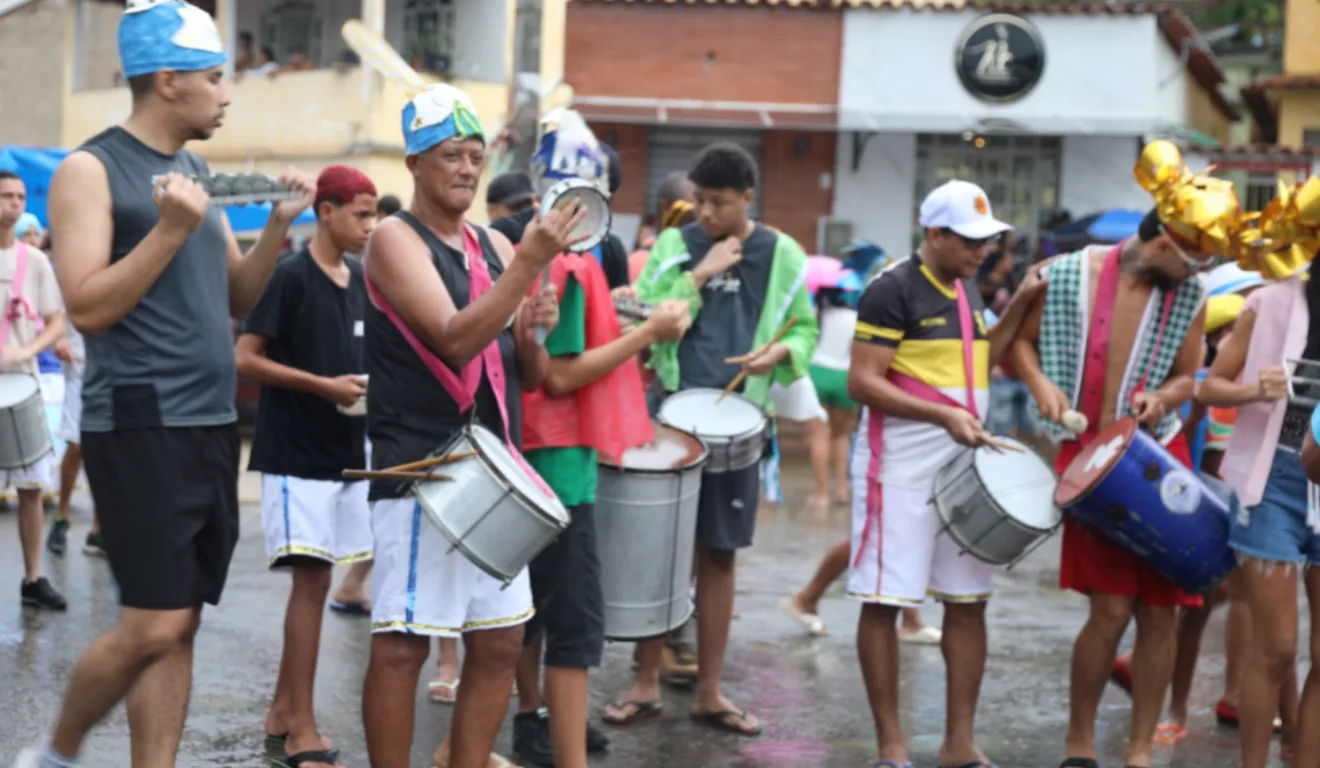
{"x":392,"y":235}
{"x":502,"y":245}
{"x":81,"y":167}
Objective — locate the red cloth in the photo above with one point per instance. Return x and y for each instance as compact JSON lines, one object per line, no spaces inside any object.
{"x":1092,"y":563}
{"x":609,"y":414}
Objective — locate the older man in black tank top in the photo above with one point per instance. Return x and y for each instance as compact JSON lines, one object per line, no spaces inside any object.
{"x":422,"y":266}
{"x":152,"y":277}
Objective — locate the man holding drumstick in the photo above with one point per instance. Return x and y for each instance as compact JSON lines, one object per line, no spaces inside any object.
{"x":919,"y":324}
{"x":152,"y":275}
{"x":446,"y":296}
{"x":1136,"y":354}
{"x":742,"y":282}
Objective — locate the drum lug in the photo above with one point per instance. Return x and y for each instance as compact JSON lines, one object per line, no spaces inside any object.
{"x":1117,"y":513}
{"x":1153,"y":471}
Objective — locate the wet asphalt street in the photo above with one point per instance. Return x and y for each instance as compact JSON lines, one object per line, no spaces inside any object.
{"x":807,"y":691}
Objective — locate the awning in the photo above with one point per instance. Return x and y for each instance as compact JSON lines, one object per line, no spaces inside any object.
{"x":742,"y":114}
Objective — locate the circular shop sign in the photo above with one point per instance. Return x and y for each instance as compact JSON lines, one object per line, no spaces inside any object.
{"x":1000,"y":58}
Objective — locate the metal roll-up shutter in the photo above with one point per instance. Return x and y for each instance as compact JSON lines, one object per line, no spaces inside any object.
{"x":672,"y":149}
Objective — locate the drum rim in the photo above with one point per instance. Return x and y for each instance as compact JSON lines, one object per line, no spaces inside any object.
{"x":751,"y":433}
{"x":1003,"y":510}
{"x":36,"y":387}
{"x":982,"y":492}
{"x":562,"y":187}
{"x":1133,"y":429}
{"x":700,"y":463}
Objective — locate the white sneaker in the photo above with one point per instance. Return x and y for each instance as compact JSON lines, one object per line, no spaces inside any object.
{"x":28,"y":757}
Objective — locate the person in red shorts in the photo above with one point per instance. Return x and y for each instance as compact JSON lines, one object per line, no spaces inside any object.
{"x":1118,"y":333}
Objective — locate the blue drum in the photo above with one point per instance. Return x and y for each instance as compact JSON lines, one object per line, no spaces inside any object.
{"x":1128,"y":487}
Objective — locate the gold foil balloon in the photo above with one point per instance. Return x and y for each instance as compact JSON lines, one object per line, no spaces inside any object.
{"x":1201,"y":211}
{"x":1284,"y":237}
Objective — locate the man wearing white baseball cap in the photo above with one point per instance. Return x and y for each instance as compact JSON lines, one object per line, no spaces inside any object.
{"x":921,"y":360}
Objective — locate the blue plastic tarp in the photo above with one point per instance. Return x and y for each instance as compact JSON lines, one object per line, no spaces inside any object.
{"x":1115,"y":225}
{"x":251,"y":218}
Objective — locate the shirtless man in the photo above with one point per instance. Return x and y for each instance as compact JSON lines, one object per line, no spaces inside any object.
{"x":1141,"y":274}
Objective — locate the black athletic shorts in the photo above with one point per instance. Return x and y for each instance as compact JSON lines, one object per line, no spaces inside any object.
{"x":167,"y":499}
{"x":567,"y":594}
{"x":726,"y":508}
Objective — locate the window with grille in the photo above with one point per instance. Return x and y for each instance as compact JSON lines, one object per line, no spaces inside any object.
{"x":1311,"y":137}
{"x":428,"y":34}
{"x":293,"y":26}
{"x":1261,"y":189}
{"x":527,"y":36}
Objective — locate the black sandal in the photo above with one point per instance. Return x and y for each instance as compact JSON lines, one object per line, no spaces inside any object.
{"x":1079,"y":762}
{"x":324,"y":756}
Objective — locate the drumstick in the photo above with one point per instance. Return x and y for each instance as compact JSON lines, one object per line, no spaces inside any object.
{"x":1000,"y":445}
{"x":384,"y":474}
{"x":743,"y":373}
{"x":434,"y":461}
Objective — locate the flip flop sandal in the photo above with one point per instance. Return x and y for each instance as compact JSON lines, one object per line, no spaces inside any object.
{"x":977,"y":764}
{"x":325,"y":756}
{"x":1079,"y":762}
{"x":724,"y":720}
{"x":808,"y":621}
{"x":277,"y":743}
{"x":924,"y":636}
{"x":641,"y":710}
{"x":443,"y":691}
{"x":351,"y":609}
{"x":1170,"y":733}
{"x":890,"y":764}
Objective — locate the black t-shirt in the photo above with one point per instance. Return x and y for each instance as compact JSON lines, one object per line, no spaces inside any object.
{"x":613,"y":256}
{"x":311,"y":324}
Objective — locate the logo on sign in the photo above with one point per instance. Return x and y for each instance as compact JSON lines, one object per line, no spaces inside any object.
{"x":1104,"y":455}
{"x":1000,"y":58}
{"x":1180,"y":493}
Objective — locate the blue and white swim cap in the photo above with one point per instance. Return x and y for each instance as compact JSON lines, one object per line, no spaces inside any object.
{"x":156,"y":35}
{"x":567,"y":149}
{"x":436,"y":115}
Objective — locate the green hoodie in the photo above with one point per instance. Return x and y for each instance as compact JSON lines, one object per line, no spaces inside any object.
{"x":786,"y":296}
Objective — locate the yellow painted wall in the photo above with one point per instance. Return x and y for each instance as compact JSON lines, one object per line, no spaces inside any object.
{"x":1298,"y":111}
{"x":1301,"y":51}
{"x":553,"y":30}
{"x":1203,"y":116}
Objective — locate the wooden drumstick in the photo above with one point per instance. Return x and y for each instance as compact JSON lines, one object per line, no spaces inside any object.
{"x":1000,"y":445}
{"x":743,"y":373}
{"x":383,"y":474}
{"x":434,"y":461}
{"x":1074,"y":421}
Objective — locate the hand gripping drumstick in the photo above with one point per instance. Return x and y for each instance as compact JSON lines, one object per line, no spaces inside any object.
{"x":378,"y":54}
{"x":743,"y":373}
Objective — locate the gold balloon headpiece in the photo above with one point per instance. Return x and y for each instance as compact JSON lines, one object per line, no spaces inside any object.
{"x":1200,"y":211}
{"x":1281,"y":240}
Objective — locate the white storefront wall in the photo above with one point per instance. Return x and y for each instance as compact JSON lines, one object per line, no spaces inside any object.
{"x":1108,"y":82}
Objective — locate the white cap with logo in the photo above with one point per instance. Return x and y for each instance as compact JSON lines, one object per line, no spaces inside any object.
{"x":962,"y":207}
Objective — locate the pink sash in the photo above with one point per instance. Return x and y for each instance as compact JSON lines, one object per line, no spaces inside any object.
{"x":923,"y":391}
{"x":18,"y":306}
{"x":1091,"y":399}
{"x":463,"y":388}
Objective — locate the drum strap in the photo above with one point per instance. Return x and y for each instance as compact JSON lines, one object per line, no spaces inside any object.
{"x":1097,"y":346}
{"x":875,"y":427}
{"x":18,"y":305}
{"x":463,"y":390}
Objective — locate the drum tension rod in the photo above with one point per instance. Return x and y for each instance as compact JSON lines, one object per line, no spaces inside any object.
{"x":1153,"y":471}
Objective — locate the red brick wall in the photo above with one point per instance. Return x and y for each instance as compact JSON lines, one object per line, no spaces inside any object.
{"x":791,"y":195}
{"x":686,"y":52}
{"x":630,"y":141}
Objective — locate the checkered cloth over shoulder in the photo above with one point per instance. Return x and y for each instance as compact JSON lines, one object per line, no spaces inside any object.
{"x":1065,"y":323}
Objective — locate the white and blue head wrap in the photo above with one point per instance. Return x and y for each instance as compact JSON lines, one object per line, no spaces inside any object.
{"x":436,"y":115}
{"x":567,"y":149}
{"x":156,"y":35}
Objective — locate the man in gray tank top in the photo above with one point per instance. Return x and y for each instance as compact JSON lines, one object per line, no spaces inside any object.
{"x":152,"y":274}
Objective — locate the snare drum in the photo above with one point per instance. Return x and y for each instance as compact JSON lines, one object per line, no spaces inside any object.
{"x":1127,"y":486}
{"x":734,"y":429}
{"x":646,"y":529}
{"x":596,"y":224}
{"x":24,"y":434}
{"x":491,"y":511}
{"x":997,"y":505}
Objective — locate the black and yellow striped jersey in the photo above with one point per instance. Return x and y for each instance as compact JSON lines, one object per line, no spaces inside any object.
{"x":907,"y":308}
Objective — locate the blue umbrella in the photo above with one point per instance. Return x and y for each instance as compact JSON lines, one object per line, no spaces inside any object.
{"x":35,"y":166}
{"x":252,"y":217}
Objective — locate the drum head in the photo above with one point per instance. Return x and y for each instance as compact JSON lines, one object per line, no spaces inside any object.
{"x":696,"y":411}
{"x":17,"y":387}
{"x":671,"y":449}
{"x":1021,"y":483}
{"x":1094,"y":461}
{"x":596,"y":224}
{"x":497,"y":453}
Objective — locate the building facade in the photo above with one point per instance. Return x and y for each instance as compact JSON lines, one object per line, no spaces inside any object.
{"x":856,"y":108}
